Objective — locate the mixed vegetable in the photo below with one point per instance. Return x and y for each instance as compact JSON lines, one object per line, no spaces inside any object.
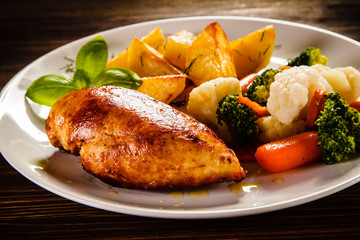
{"x":259,"y":89}
{"x":239,"y":117}
{"x":309,"y":57}
{"x":338,"y":127}
{"x":331,"y":125}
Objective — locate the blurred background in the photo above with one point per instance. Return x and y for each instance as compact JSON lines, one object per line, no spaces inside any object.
{"x":32,"y":28}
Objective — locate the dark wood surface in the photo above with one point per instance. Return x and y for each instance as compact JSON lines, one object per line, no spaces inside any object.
{"x":29,"y":29}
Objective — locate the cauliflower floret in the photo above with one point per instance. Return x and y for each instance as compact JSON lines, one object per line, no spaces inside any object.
{"x":337,"y":79}
{"x":353,"y":76}
{"x":292,"y":90}
{"x":344,"y":80}
{"x":204,"y":99}
{"x":272,"y":129}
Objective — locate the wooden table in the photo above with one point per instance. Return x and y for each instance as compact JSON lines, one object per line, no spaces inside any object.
{"x":32,"y":28}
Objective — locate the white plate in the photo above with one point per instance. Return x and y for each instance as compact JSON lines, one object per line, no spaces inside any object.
{"x":24,"y":144}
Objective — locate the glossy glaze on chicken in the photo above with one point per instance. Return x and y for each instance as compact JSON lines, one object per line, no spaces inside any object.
{"x":131,"y":140}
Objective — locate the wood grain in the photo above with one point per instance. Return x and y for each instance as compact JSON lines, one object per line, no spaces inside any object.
{"x":31,"y":29}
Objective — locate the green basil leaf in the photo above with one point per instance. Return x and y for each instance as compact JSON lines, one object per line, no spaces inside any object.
{"x":81,"y":79}
{"x":47,"y":89}
{"x":118,"y":77}
{"x":92,"y":57}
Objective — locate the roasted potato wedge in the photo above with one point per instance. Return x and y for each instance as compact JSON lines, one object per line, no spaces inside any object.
{"x":154,"y":39}
{"x":253,"y":52}
{"x":163,"y":88}
{"x":120,"y":61}
{"x":210,"y":56}
{"x":147,"y":62}
{"x":181,"y":101}
{"x":176,"y":47}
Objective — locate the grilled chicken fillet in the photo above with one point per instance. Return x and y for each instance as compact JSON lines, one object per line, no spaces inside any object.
{"x":128,"y":139}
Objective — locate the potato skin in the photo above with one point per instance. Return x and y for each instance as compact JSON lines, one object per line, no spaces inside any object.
{"x":253,"y":52}
{"x":154,"y":39}
{"x":163,"y":88}
{"x":177,"y":46}
{"x":210,"y":56}
{"x":145,"y":61}
{"x":131,"y":140}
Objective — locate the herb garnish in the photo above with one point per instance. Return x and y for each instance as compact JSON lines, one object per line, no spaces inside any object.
{"x":69,"y":67}
{"x":187,"y":70}
{"x":89,"y":71}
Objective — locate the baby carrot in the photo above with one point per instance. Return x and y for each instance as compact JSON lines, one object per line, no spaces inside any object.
{"x":315,"y":107}
{"x":289,"y":152}
{"x":259,"y":110}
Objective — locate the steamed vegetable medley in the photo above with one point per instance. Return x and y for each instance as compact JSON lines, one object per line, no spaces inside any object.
{"x":300,"y":112}
{"x":282,"y":118}
{"x":285,"y":117}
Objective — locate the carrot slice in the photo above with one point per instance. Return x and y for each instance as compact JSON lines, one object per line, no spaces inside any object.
{"x":259,"y":110}
{"x":246,"y":81}
{"x":355,"y":105}
{"x":289,"y":152}
{"x":315,"y":107}
{"x":284,"y":68}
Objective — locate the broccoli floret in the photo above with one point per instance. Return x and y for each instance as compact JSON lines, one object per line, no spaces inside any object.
{"x":258,"y":91}
{"x":240,"y":119}
{"x":338,"y":129}
{"x":309,"y":57}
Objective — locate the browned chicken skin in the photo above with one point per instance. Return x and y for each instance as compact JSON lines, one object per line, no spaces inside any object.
{"x":128,"y":139}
